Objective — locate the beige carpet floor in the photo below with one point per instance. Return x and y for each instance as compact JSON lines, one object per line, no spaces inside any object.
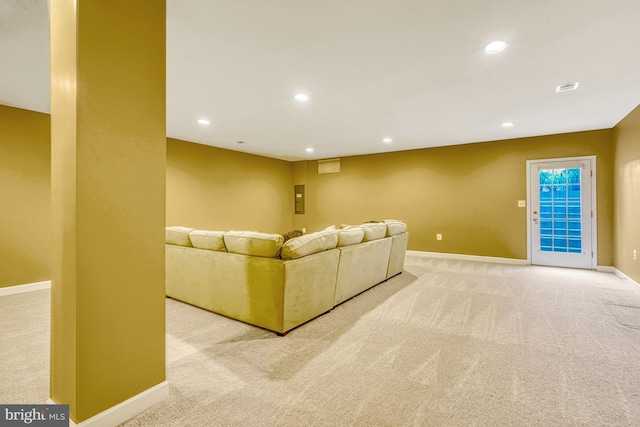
{"x":446,"y":343}
{"x":24,"y":347}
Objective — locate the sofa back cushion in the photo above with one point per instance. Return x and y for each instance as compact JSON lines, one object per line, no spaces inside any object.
{"x":178,"y":236}
{"x":350,"y":236}
{"x":309,"y":244}
{"x":253,"y":243}
{"x":374,"y":231}
{"x":395,"y":227}
{"x":210,"y":240}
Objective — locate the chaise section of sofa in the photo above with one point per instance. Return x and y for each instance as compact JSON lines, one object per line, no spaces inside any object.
{"x":252,"y":286}
{"x":267,"y":292}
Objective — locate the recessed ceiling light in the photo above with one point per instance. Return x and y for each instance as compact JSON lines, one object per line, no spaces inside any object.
{"x":309,"y":150}
{"x":240,"y":142}
{"x":507,"y":125}
{"x":495,"y":46}
{"x":567,"y":87}
{"x":301,"y":97}
{"x":204,"y":121}
{"x":387,"y":140}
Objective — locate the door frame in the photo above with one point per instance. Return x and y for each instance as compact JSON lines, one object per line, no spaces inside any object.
{"x":594,"y":218}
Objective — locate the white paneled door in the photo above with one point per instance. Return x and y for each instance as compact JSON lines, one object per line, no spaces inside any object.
{"x":561,"y":212}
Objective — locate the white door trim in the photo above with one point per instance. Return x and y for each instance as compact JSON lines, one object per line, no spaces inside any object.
{"x":594,"y":204}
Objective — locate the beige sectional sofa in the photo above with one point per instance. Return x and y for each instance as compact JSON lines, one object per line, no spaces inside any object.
{"x":261,"y":279}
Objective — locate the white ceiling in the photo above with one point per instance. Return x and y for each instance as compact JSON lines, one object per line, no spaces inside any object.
{"x":412,"y":70}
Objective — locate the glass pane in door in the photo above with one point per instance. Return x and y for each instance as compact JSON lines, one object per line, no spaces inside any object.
{"x":560,"y":210}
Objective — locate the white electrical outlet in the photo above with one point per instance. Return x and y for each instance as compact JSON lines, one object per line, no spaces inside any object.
{"x":438,"y":236}
{"x":522,"y":203}
{"x":634,"y":254}
{"x":304,"y":230}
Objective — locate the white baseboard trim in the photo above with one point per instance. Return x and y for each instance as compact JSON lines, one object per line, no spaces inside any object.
{"x":126,"y":410}
{"x":621,"y":275}
{"x":18,"y":289}
{"x":606,"y":269}
{"x":469,"y":257}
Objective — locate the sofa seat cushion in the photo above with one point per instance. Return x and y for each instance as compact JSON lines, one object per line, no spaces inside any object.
{"x":253,"y":243}
{"x":350,"y":236}
{"x":374,"y":231}
{"x":395,"y":227}
{"x":176,"y":235}
{"x":210,"y":240}
{"x":309,"y":244}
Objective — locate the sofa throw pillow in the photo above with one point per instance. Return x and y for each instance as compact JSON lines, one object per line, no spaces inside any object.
{"x":177,"y":235}
{"x":374,"y":231}
{"x":291,"y":234}
{"x":253,"y":243}
{"x":395,"y":226}
{"x":210,"y":240}
{"x":309,"y":244}
{"x":350,"y":236}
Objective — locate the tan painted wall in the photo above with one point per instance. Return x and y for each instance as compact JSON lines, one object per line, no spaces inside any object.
{"x":412,"y":185}
{"x":257,"y":192}
{"x":468,"y":193}
{"x":25,"y":194}
{"x":215,"y":189}
{"x":626,"y":136}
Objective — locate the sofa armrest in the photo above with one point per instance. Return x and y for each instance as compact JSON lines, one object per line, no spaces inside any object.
{"x":310,"y":284}
{"x":398,"y":251}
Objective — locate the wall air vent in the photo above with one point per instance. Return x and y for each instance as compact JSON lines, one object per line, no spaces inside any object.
{"x":567,"y":87}
{"x":328,"y":166}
